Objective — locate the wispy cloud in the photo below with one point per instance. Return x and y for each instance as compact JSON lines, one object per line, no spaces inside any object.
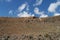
{"x":56,"y":14}
{"x":38,"y":2}
{"x":11,"y":12}
{"x":41,"y":13}
{"x":43,"y":16}
{"x":36,"y":10}
{"x":53,"y":7}
{"x":28,"y":14}
{"x":25,"y":14}
{"x":22,"y":7}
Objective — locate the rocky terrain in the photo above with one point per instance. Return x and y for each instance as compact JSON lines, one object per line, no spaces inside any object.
{"x":30,"y":28}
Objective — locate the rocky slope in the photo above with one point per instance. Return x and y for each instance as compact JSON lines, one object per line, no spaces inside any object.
{"x":30,"y":28}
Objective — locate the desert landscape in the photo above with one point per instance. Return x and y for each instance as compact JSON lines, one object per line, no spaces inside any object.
{"x":30,"y":28}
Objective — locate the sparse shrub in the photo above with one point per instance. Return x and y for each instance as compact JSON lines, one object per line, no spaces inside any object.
{"x":40,"y":37}
{"x":47,"y":36}
{"x":30,"y":37}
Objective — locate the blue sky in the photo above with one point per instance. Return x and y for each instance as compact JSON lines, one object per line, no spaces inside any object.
{"x":27,"y":8}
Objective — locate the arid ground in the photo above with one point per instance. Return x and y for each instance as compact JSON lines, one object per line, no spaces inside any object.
{"x":30,"y":28}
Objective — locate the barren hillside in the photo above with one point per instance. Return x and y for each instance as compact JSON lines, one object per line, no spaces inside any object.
{"x":29,"y":25}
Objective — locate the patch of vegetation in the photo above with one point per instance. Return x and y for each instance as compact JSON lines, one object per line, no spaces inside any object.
{"x":49,"y":36}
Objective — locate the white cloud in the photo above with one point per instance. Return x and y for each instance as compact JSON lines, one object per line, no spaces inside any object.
{"x":43,"y":16}
{"x":36,"y":11}
{"x":22,"y":7}
{"x":38,"y":2}
{"x":25,"y":14}
{"x":56,"y":14}
{"x":11,"y":12}
{"x":53,"y":6}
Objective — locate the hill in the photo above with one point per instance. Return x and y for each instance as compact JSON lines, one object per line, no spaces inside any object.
{"x":29,"y":25}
